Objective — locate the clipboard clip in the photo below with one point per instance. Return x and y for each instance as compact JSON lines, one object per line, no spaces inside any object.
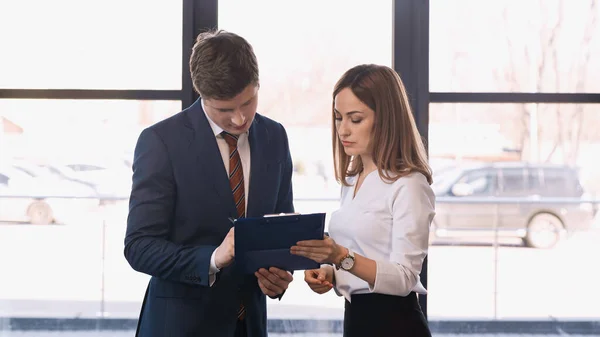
{"x":280,"y":214}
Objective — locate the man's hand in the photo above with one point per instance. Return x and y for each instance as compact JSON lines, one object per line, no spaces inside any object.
{"x":319,"y":280}
{"x":226,"y":251}
{"x":273,"y":282}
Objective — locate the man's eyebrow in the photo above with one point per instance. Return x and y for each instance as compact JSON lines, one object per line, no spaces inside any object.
{"x":226,"y":109}
{"x":251,"y":98}
{"x":221,"y":109}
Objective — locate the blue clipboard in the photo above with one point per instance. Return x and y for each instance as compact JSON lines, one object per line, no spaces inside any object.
{"x":266,"y":241}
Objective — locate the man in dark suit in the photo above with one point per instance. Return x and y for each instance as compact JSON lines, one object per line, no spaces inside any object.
{"x":216,"y":160}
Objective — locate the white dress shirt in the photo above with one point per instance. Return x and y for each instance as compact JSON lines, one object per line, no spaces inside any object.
{"x":244,"y":151}
{"x":388,"y":223}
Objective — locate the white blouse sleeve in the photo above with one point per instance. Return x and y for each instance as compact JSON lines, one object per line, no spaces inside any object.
{"x":413,"y":209}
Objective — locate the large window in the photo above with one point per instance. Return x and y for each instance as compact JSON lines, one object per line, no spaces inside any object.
{"x":512,"y":140}
{"x":79,"y":80}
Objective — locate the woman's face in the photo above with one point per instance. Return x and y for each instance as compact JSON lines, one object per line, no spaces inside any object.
{"x":354,"y":123}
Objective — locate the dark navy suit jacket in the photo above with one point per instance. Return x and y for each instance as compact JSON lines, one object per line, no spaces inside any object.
{"x":179,"y":213}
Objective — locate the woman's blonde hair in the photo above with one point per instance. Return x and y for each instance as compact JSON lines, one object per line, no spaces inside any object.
{"x":397,"y":148}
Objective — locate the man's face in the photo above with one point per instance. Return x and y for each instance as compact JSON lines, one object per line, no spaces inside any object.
{"x":234,"y":115}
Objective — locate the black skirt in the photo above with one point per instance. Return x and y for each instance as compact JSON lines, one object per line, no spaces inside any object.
{"x":377,"y":315}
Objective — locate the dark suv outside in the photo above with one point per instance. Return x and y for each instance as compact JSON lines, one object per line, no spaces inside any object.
{"x":538,"y":203}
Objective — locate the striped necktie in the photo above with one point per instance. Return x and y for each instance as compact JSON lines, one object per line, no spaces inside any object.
{"x":236,"y":182}
{"x":236,"y":174}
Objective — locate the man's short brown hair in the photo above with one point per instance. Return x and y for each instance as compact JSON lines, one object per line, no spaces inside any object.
{"x":222,"y":65}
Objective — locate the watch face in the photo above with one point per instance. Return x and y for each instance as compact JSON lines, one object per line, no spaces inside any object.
{"x":347,"y":263}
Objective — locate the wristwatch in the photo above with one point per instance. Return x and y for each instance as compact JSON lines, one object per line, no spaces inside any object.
{"x":347,"y":262}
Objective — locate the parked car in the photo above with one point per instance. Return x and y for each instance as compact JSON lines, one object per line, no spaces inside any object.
{"x":107,"y":181}
{"x":40,"y":200}
{"x":61,"y":185}
{"x":537,"y":203}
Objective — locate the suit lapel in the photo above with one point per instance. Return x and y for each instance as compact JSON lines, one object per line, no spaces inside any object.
{"x":259,"y":139}
{"x":206,"y":155}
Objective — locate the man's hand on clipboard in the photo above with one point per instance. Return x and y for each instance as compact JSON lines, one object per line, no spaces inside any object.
{"x":225,"y":253}
{"x":273,"y":281}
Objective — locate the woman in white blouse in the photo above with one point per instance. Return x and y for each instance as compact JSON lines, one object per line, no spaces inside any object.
{"x":379,"y":237}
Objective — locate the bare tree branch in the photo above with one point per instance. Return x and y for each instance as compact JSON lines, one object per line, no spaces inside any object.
{"x":550,"y":47}
{"x":582,"y":76}
{"x":511,"y":75}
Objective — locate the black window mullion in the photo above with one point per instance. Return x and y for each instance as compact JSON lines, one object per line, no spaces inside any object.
{"x":198,"y":16}
{"x":513,"y":97}
{"x":411,"y":62}
{"x":159,"y":95}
